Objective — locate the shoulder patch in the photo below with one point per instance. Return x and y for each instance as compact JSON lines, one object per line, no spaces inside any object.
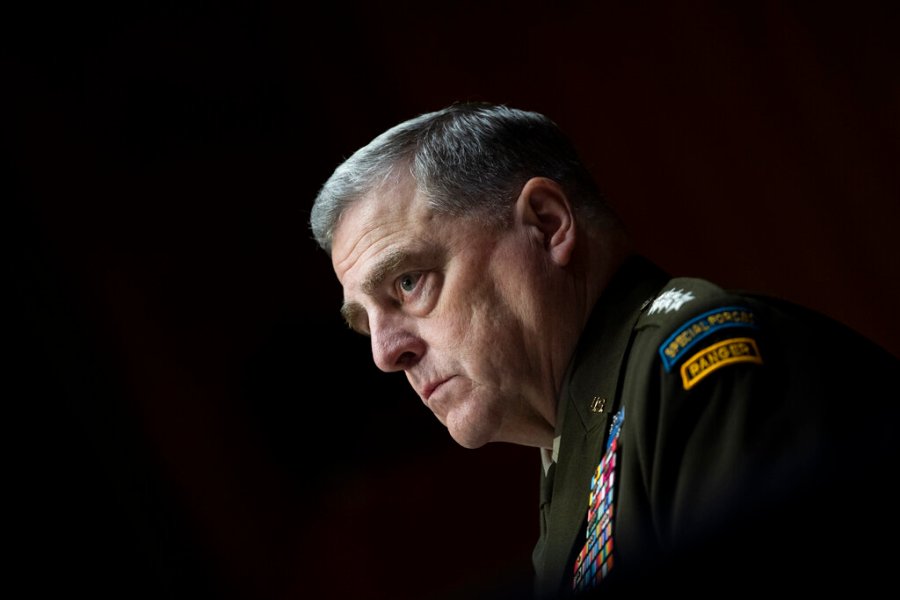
{"x":718,"y":355}
{"x":693,"y":331}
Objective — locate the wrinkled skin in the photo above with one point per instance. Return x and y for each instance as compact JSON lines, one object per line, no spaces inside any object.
{"x":468,"y":312}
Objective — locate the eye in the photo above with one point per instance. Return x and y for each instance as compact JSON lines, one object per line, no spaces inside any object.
{"x":407,"y":282}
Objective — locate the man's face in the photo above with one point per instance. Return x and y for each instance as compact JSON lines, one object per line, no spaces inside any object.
{"x":449,"y":302}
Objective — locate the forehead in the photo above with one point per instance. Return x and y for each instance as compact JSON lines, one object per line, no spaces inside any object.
{"x":389,"y":217}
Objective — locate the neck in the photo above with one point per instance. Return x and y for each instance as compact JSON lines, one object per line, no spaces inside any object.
{"x":603,"y":256}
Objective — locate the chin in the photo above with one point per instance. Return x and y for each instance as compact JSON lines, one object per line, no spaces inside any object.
{"x":470,"y":442}
{"x":471,"y":430}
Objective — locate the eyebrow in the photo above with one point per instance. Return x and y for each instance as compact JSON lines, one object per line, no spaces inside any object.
{"x":392,"y":260}
{"x":353,"y":311}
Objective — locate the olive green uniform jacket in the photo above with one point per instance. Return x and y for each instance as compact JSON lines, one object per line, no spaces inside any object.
{"x":757,"y":449}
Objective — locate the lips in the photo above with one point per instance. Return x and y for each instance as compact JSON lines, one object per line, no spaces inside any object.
{"x":430,"y":388}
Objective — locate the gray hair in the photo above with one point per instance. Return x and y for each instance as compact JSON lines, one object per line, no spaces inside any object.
{"x":467,"y":159}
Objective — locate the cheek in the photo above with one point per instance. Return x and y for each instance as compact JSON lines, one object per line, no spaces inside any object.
{"x":481,"y":314}
{"x":490,"y":338}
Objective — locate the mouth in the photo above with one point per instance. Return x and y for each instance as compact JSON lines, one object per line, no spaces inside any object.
{"x":431,"y":388}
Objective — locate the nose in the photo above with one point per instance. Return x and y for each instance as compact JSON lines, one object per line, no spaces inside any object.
{"x":394,"y":346}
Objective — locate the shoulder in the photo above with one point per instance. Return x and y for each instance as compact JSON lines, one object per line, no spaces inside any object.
{"x":695,"y":327}
{"x":695,"y":305}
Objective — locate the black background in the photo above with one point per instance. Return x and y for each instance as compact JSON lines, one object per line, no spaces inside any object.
{"x":187,"y":416}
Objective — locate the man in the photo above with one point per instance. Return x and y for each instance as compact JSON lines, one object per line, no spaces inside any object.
{"x":691,"y":437}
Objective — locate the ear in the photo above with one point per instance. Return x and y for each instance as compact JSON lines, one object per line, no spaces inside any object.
{"x":545,"y":206}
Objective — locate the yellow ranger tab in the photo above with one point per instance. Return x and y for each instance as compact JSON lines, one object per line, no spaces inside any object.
{"x":720,"y":354}
{"x":689,"y":334}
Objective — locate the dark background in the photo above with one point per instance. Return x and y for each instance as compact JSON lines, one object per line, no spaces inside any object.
{"x":186,"y":415}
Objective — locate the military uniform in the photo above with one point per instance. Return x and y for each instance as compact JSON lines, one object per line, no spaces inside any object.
{"x":743,"y":443}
